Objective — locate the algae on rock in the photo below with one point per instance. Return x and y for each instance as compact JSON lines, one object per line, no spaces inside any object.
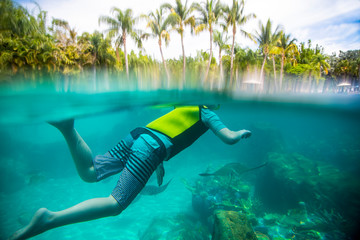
{"x":231,"y":225}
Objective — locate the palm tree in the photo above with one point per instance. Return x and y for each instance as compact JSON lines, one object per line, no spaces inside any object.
{"x":159,"y":29}
{"x":245,"y":58}
{"x":319,"y":61}
{"x":273,"y":53}
{"x":63,"y":33}
{"x":41,"y":19}
{"x":120,"y":26}
{"x":71,"y":54}
{"x":220,"y":39}
{"x":285,"y":46}
{"x":319,"y":64}
{"x":181,"y":17}
{"x":239,"y":60}
{"x":15,"y":20}
{"x":313,"y":62}
{"x":235,"y":16}
{"x":266,"y":40}
{"x":210,"y":13}
{"x":99,"y":48}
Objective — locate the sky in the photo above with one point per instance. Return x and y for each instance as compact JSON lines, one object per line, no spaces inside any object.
{"x":333,"y":24}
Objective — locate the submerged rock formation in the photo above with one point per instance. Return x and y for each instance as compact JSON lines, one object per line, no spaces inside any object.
{"x":231,"y":225}
{"x":291,"y":178}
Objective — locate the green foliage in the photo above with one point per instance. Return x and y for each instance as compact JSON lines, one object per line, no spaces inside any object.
{"x":246,"y":58}
{"x":15,"y":20}
{"x":299,"y":69}
{"x":346,"y":66}
{"x":310,"y":61}
{"x":28,"y":48}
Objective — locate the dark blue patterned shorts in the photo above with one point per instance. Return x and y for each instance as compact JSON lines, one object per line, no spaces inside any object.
{"x":136,"y":159}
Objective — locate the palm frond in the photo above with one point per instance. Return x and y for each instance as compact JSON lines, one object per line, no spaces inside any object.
{"x":247,"y":35}
{"x":190,"y":21}
{"x":166,"y":36}
{"x":199,"y":28}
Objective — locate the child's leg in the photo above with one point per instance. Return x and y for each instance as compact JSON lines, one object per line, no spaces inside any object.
{"x":91,"y":209}
{"x":80,"y":151}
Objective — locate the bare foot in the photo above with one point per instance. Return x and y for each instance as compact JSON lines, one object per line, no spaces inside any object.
{"x":38,"y":224}
{"x":64,"y":125}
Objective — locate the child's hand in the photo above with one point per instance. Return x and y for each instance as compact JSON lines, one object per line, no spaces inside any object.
{"x":245,"y":133}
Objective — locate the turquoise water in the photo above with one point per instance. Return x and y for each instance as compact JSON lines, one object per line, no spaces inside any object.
{"x":37,"y":170}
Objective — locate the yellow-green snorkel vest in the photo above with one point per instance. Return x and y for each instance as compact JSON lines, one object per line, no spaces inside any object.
{"x":183,"y":126}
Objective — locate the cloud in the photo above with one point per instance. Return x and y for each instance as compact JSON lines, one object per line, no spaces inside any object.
{"x":341,"y":32}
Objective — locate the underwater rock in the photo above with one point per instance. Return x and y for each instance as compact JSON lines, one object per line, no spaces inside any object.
{"x":218,"y":193}
{"x":292,"y":178}
{"x":202,"y":205}
{"x":225,"y":190}
{"x":307,"y":235}
{"x":231,"y":225}
{"x":261,"y":236}
{"x":218,"y":196}
{"x":270,"y":218}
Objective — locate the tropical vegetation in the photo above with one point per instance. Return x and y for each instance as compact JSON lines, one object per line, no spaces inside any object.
{"x":32,"y":48}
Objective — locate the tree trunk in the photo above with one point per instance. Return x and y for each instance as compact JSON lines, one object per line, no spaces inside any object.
{"x":310,"y":82}
{"x":232,"y":55}
{"x":164,"y":63}
{"x":117,"y":53}
{"x":282,"y":69}
{"x":125,"y":53}
{"x":274,"y":67}
{"x":236,"y":76}
{"x":184,"y":61}
{"x":262,"y":72}
{"x":208,"y":67}
{"x":94,"y":72}
{"x":221,"y":68}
